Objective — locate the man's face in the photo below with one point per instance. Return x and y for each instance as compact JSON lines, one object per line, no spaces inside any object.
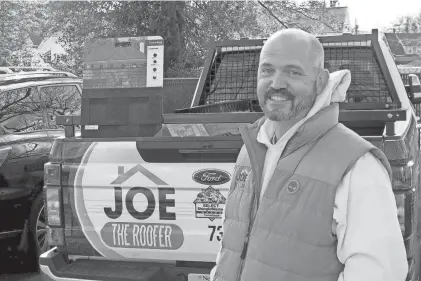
{"x":286,"y":84}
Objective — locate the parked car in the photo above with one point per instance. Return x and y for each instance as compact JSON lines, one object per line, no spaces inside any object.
{"x":27,"y":133}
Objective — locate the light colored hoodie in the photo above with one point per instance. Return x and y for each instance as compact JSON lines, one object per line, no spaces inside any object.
{"x":370,"y":245}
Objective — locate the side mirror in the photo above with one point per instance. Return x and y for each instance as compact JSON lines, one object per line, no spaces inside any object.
{"x":414,"y":89}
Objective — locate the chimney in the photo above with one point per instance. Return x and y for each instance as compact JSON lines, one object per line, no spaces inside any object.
{"x":333,"y":3}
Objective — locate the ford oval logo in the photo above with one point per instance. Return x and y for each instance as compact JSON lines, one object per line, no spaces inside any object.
{"x":211,"y":177}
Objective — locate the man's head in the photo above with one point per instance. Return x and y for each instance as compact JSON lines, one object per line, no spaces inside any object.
{"x":291,"y":75}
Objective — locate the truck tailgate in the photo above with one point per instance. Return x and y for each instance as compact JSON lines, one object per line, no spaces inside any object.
{"x":156,"y":200}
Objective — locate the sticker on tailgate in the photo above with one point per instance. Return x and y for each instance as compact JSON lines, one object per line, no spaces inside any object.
{"x":210,"y":204}
{"x":129,"y":208}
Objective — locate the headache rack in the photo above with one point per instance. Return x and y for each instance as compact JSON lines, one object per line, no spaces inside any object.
{"x":230,"y":71}
{"x":229,"y":78}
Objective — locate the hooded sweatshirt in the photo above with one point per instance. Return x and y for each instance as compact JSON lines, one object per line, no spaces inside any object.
{"x":370,"y":245}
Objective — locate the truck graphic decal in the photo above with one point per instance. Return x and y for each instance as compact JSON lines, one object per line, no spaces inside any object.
{"x":209,"y":204}
{"x":124,"y":176}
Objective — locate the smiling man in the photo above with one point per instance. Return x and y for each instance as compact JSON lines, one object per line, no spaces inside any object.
{"x":310,"y":199}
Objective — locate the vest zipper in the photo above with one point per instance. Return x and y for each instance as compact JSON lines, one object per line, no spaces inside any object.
{"x":243,"y":255}
{"x":253,"y":212}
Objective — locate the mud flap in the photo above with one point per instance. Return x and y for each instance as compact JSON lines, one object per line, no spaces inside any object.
{"x":23,"y":245}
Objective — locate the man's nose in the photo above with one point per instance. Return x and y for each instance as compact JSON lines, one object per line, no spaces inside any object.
{"x":278,"y":82}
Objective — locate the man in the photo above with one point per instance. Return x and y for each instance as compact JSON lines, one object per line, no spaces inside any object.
{"x":310,"y":199}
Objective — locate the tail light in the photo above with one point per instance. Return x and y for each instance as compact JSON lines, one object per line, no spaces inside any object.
{"x":53,"y":206}
{"x":52,"y":196}
{"x":52,"y":175}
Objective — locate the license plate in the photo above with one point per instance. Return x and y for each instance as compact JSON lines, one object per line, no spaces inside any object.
{"x":199,"y":277}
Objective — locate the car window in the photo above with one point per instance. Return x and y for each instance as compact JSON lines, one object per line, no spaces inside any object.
{"x":60,"y":100}
{"x":20,"y":110}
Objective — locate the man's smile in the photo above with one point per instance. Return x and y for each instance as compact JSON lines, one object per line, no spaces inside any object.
{"x":278,"y":97}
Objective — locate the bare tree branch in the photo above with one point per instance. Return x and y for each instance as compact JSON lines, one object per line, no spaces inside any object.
{"x":28,"y":92}
{"x":312,"y":18}
{"x":270,"y":12}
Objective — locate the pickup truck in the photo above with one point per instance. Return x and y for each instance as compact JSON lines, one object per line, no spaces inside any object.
{"x":151,"y":207}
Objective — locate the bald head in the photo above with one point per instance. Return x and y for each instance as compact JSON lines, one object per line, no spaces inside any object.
{"x":307,"y":42}
{"x":291,"y":74}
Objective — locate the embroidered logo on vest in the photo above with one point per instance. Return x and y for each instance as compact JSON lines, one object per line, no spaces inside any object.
{"x":241,"y":174}
{"x":293,"y":186}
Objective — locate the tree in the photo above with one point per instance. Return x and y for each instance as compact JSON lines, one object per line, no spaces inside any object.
{"x":18,"y":20}
{"x":187,"y":27}
{"x":311,"y":16}
{"x":407,"y":24}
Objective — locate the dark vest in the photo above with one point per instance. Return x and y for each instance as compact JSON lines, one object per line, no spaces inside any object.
{"x":287,"y":236}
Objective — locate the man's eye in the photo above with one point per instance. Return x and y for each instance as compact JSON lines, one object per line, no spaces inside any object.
{"x":266,"y":70}
{"x":294,"y":72}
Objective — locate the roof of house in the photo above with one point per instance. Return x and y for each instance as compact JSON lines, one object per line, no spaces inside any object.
{"x":409,"y":38}
{"x":395,"y":44}
{"x":36,"y":39}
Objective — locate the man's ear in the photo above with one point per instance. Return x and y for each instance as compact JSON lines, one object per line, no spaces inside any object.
{"x":322,"y":81}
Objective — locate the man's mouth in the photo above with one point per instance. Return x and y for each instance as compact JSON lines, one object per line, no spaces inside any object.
{"x":278,"y":97}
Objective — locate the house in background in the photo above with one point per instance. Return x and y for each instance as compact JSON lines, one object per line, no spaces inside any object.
{"x":335,"y":12}
{"x":411,"y":42}
{"x":340,"y":14}
{"x":50,"y":49}
{"x":405,"y":47}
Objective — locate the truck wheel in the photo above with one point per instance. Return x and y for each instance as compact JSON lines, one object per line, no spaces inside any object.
{"x":37,"y":225}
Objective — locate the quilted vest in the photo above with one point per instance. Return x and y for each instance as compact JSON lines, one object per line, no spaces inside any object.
{"x":287,"y":235}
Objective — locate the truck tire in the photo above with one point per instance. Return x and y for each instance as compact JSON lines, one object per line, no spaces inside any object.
{"x":37,"y":226}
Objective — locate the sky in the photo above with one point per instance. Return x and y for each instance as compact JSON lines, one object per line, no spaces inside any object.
{"x":379,"y":13}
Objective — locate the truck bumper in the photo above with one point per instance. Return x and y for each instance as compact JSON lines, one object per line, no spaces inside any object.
{"x":54,"y":267}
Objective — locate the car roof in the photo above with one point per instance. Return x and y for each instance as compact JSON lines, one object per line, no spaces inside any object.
{"x":41,"y":82}
{"x":22,"y":69}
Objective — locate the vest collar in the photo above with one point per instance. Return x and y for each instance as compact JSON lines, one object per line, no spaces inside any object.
{"x":310,"y":130}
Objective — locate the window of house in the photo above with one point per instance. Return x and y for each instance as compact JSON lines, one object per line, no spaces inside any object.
{"x":47,"y":56}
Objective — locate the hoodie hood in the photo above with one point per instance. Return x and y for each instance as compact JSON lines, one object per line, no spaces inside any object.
{"x":334,"y":92}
